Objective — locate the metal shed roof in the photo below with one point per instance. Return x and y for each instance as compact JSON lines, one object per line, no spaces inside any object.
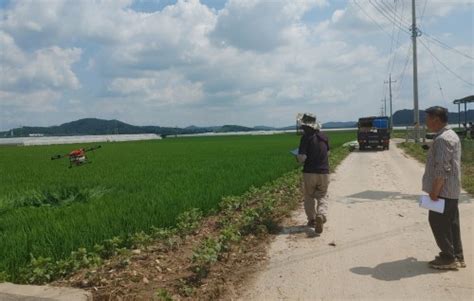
{"x":466,"y":99}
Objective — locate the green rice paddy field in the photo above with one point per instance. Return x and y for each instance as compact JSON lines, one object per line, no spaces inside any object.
{"x":49,"y":210}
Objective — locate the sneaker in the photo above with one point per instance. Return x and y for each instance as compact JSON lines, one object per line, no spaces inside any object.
{"x":311,"y":223}
{"x":461,"y":263}
{"x":444,"y":264}
{"x":437,"y":258}
{"x":320,"y":220}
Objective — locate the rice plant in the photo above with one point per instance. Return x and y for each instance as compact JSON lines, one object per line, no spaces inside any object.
{"x":48,"y":210}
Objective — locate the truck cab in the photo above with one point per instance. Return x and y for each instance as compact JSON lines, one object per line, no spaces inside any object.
{"x":373,"y":132}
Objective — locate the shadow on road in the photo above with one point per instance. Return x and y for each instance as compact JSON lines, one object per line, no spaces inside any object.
{"x":396,"y":270}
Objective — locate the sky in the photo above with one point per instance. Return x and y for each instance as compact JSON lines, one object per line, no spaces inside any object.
{"x":215,"y":62}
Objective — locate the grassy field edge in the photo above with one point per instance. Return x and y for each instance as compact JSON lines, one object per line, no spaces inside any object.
{"x":241,"y":220}
{"x":467,"y":162}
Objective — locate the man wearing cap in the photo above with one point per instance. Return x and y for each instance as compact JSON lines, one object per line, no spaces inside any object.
{"x":313,"y":153}
{"x":441,"y":180}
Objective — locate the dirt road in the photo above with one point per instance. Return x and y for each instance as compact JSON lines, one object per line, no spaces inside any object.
{"x":375,"y":246}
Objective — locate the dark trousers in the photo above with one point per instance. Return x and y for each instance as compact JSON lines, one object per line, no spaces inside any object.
{"x":447,"y":230}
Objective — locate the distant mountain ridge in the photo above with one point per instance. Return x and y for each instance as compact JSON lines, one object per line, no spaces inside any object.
{"x":95,"y":126}
{"x":406,"y":117}
{"x":338,"y":125}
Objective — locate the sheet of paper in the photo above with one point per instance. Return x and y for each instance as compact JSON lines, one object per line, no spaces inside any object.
{"x":294,"y":152}
{"x":427,"y":203}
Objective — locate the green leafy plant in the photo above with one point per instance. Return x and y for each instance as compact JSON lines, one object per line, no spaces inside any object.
{"x":141,"y":240}
{"x":163,"y":295}
{"x":188,"y":221}
{"x":205,"y":255}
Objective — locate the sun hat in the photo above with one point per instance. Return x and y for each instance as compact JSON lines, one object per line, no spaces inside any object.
{"x":309,"y":120}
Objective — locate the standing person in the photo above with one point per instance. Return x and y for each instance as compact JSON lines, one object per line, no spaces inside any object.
{"x":442,"y":180}
{"x":313,"y":152}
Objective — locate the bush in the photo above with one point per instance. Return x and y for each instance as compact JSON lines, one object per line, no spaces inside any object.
{"x":188,"y":221}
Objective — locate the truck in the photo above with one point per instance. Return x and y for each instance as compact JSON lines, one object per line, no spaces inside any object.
{"x":373,"y":132}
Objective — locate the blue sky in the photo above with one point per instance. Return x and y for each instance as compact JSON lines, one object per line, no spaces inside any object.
{"x":212,"y":62}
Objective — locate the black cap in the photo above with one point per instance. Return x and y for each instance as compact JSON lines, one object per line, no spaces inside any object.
{"x":440,"y":112}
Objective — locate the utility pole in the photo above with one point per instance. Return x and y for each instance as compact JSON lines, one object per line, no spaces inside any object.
{"x":384,"y":108}
{"x":389,"y":82}
{"x":415,"y":34}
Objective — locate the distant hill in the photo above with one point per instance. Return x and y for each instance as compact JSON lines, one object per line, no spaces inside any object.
{"x":287,"y":128}
{"x":263,"y":128}
{"x":338,"y":125}
{"x":234,"y":128}
{"x":405,"y":117}
{"x":94,"y":126}
{"x":88,"y":126}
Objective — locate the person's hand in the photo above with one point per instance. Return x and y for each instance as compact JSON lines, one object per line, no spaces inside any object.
{"x":301,"y":158}
{"x":433,"y":196}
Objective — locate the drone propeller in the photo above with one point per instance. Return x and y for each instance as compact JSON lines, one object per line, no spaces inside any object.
{"x":93,"y":148}
{"x":72,"y":154}
{"x":59,"y":157}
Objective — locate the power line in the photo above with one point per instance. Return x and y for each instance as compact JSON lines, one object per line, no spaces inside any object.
{"x":437,"y":78}
{"x":423,"y":13}
{"x":373,"y":20}
{"x":404,"y":25}
{"x":392,"y":9}
{"x":391,"y":48}
{"x":379,"y":26}
{"x":383,"y":8}
{"x":398,"y":39}
{"x":391,"y":60}
{"x":401,"y":23}
{"x":384,"y":14}
{"x":391,"y":56}
{"x":446,"y":46}
{"x":444,"y":65}
{"x":386,"y":8}
{"x":400,"y":17}
{"x":402,"y":75}
{"x":391,"y":41}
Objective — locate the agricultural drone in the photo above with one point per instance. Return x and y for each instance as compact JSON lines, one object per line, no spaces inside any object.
{"x":77,"y":157}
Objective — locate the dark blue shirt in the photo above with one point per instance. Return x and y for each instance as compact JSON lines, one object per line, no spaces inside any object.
{"x":315,"y":146}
